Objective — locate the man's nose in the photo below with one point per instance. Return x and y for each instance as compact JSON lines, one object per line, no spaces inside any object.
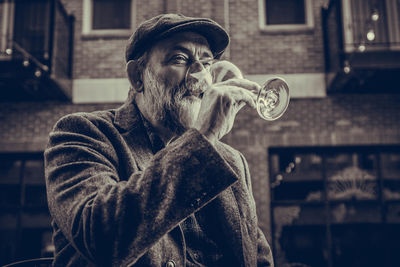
{"x":197,"y":66}
{"x":198,"y":72}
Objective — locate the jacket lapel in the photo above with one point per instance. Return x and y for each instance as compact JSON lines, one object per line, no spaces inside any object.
{"x":142,"y":153}
{"x":129,"y":121}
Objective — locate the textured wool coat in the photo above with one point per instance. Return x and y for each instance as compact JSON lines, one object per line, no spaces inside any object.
{"x":116,"y":202}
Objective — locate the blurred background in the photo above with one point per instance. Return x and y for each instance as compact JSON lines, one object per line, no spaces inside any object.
{"x":326,"y":175}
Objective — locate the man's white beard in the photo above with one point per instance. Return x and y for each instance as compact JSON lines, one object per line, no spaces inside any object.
{"x":170,"y":106}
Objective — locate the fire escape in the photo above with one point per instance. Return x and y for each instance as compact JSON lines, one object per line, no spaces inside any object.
{"x":36,"y":41}
{"x":362,"y":46}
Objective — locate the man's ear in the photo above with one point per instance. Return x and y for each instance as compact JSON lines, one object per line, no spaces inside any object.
{"x":134,"y":75}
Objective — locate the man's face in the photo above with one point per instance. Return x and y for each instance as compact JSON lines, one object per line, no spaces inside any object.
{"x":172,"y":104}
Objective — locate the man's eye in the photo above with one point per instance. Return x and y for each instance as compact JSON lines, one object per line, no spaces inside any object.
{"x":179,"y":59}
{"x":207,"y":62}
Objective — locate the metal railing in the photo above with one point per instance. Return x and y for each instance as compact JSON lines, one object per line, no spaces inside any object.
{"x":6,"y":24}
{"x":371,"y":25}
{"x":41,"y":35}
{"x":360,"y":26}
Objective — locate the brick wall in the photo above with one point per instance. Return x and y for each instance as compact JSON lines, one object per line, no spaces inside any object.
{"x":254,"y":51}
{"x":25,"y":126}
{"x":104,"y":57}
{"x":258,"y":52}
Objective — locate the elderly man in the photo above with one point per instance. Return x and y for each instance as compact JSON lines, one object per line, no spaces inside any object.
{"x":150,"y":184}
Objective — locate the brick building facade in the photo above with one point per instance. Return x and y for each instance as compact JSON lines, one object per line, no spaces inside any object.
{"x":314,"y":118}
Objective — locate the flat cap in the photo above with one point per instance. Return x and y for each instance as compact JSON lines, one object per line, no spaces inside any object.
{"x":157,"y":28}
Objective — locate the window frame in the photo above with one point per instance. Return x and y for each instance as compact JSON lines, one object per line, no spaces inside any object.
{"x":384,"y":210}
{"x":309,"y":16}
{"x":87,"y":22}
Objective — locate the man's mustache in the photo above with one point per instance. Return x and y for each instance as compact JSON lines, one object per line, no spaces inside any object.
{"x":194,"y":88}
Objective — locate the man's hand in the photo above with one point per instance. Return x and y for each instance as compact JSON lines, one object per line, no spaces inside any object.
{"x":220,"y":104}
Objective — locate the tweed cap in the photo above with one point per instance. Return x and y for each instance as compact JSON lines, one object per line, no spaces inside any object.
{"x":162,"y":26}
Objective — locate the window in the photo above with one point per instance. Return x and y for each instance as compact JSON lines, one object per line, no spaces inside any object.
{"x":330,"y":206}
{"x":108,"y":17}
{"x":25,"y":223}
{"x":285,"y":15}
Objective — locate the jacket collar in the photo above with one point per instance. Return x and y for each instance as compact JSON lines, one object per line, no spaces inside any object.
{"x":127,"y":116}
{"x":131,"y":122}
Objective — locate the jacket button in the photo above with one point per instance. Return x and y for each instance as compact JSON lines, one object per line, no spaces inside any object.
{"x":170,"y":263}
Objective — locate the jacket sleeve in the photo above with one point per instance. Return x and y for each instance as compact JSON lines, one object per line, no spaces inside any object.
{"x":114,"y":222}
{"x":264,"y":253}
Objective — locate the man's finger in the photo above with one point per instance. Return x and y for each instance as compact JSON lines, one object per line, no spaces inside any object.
{"x":243,"y":83}
{"x":243,"y":95}
{"x":241,"y":105}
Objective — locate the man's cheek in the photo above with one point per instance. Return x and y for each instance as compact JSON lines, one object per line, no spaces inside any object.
{"x":173,"y":77}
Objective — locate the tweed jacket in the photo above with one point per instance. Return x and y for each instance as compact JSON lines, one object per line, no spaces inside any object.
{"x":115,"y":202}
